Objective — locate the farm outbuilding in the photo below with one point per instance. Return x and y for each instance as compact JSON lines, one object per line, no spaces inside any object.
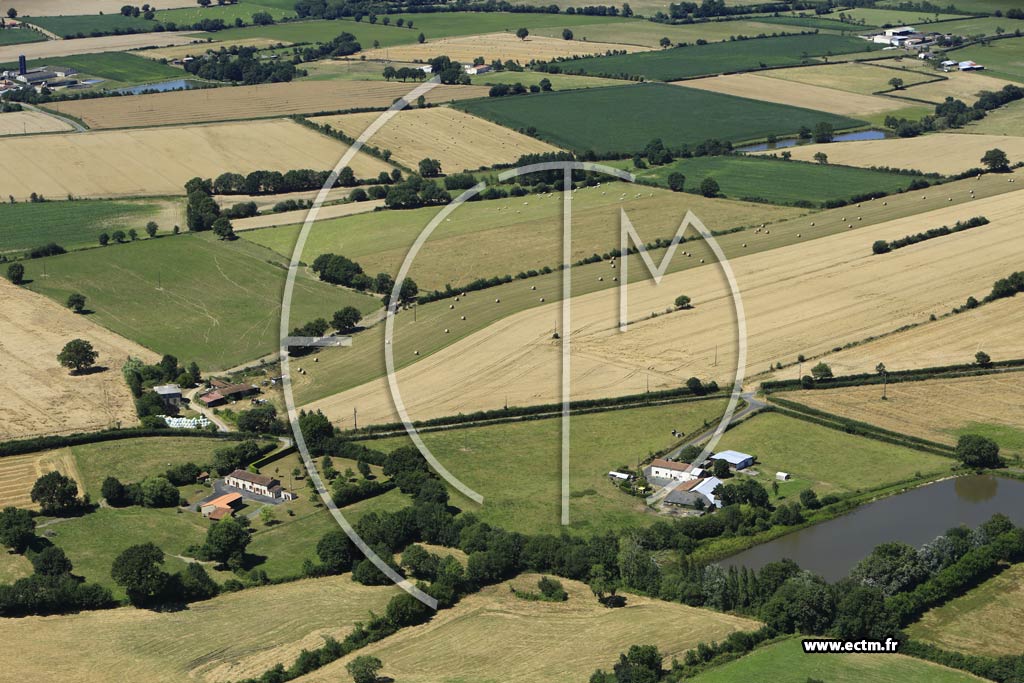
{"x":783,"y":476}
{"x":170,"y":394}
{"x":670,"y":469}
{"x":735,"y":459}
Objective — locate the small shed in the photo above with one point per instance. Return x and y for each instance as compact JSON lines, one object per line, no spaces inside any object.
{"x":782,"y":476}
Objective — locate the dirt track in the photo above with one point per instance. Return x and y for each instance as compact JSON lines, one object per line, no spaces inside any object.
{"x":39,"y":395}
{"x":807,"y":299}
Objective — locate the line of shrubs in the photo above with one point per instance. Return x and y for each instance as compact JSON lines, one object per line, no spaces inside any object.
{"x":1001,"y":289}
{"x":884,"y":247}
{"x":46,"y":443}
{"x":892,"y":376}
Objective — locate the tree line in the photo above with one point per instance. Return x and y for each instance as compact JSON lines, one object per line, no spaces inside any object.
{"x":884,"y":247}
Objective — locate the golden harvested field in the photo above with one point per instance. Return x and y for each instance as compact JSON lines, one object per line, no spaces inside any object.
{"x":935,"y":153}
{"x":199,"y":48}
{"x":984,"y":621}
{"x":83,"y":46}
{"x":158,"y":161}
{"x":933,"y":409}
{"x":250,"y":102}
{"x":291,"y":217}
{"x":503,"y":46}
{"x":855,"y":77}
{"x":795,"y":94}
{"x":19,"y":472}
{"x":40,"y":396}
{"x":458,"y":140}
{"x":963,"y":85}
{"x":995,"y":328}
{"x":806,"y":298}
{"x":495,"y":636}
{"x":224,"y":639}
{"x":267,"y":201}
{"x":46,"y":8}
{"x":27,"y":122}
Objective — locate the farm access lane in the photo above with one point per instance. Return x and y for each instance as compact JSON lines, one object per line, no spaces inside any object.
{"x":79,"y":128}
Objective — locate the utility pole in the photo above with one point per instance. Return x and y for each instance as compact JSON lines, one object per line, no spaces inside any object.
{"x":355,"y":421}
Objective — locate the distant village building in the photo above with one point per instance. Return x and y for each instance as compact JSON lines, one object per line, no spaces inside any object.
{"x":170,"y":394}
{"x":259,"y":484}
{"x":735,"y":459}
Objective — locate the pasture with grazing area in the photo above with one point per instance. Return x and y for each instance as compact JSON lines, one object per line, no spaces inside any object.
{"x":20,"y":36}
{"x":888,"y":17}
{"x":28,"y":122}
{"x":982,"y":621}
{"x":78,"y":224}
{"x":1002,"y":58}
{"x":785,"y":662}
{"x":824,"y":459}
{"x":558,"y":81}
{"x":758,"y":87}
{"x":516,"y":466}
{"x":216,"y":641}
{"x":494,"y":237}
{"x":785,"y":182}
{"x":962,"y":85}
{"x":217,"y":303}
{"x":945,"y":153}
{"x":1007,"y":120}
{"x":938,"y":409}
{"x":855,"y":77}
{"x":714,"y":58}
{"x":253,"y":101}
{"x":83,"y":25}
{"x":158,"y":161}
{"x":41,"y":397}
{"x":501,"y":637}
{"x":604,"y":119}
{"x":848,"y":296}
{"x":456,"y":139}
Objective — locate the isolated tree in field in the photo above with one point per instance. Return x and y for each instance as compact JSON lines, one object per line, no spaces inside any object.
{"x":821,"y":371}
{"x":430,"y":168}
{"x":364,"y":668}
{"x":421,"y":38}
{"x":12,"y":13}
{"x":267,"y":515}
{"x":977,"y":451}
{"x":709,"y":187}
{"x":346,"y":319}
{"x":896,"y":83}
{"x":77,"y":355}
{"x":566,"y":34}
{"x":881,"y":370}
{"x":982,"y":359}
{"x":16,"y":273}
{"x":138,"y":570}
{"x":676,"y":180}
{"x":683,"y":301}
{"x":665,"y":42}
{"x":151,"y":228}
{"x":522,"y":33}
{"x":821,"y":157}
{"x":55,"y":493}
{"x":104,"y":239}
{"x":76,"y":302}
{"x":996,"y":161}
{"x":17,"y":528}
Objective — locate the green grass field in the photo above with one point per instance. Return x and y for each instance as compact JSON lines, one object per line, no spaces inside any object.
{"x":967,"y":5}
{"x":778,"y":181}
{"x":20,"y":36}
{"x":687,"y":62}
{"x":516,"y":467}
{"x":649,"y":33}
{"x":604,"y":119}
{"x":981,"y":622}
{"x":319,"y":31}
{"x":116,"y":68}
{"x":1002,"y":58}
{"x":980,"y":26}
{"x":190,"y":295}
{"x":1009,"y":438}
{"x":74,"y":26}
{"x":69,"y":224}
{"x":785,"y":662}
{"x":187,"y":16}
{"x":827,"y":460}
{"x":822,"y":23}
{"x":558,"y":81}
{"x":890,"y":17}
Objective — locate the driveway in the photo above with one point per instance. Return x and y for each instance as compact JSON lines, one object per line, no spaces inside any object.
{"x":220,"y":489}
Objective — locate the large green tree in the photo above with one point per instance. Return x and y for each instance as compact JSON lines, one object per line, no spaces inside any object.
{"x":55,"y":493}
{"x":77,"y":355}
{"x":139,"y":571}
{"x":977,"y":451}
{"x":17,"y":528}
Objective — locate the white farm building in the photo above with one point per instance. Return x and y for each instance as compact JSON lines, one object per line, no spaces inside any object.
{"x":735,"y":459}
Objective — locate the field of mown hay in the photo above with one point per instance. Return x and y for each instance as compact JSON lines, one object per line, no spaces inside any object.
{"x":493,"y":635}
{"x":39,"y":395}
{"x":158,"y":161}
{"x":855,"y":77}
{"x":46,"y":8}
{"x":962,"y":85}
{"x":458,"y":140}
{"x":1008,"y":120}
{"x":19,"y":472}
{"x":27,"y":122}
{"x":224,"y":639}
{"x":934,"y":409}
{"x":250,"y":102}
{"x":270,"y":220}
{"x":82,"y":46}
{"x":993,"y":328}
{"x":984,"y":621}
{"x":945,"y":153}
{"x":766,"y":89}
{"x":806,"y":298}
{"x":501,"y":46}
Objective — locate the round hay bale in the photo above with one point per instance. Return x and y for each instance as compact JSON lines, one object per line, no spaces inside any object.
{"x":463,"y":317}
{"x":497,"y":301}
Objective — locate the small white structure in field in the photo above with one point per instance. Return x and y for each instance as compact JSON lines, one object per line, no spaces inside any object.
{"x":782,"y":476}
